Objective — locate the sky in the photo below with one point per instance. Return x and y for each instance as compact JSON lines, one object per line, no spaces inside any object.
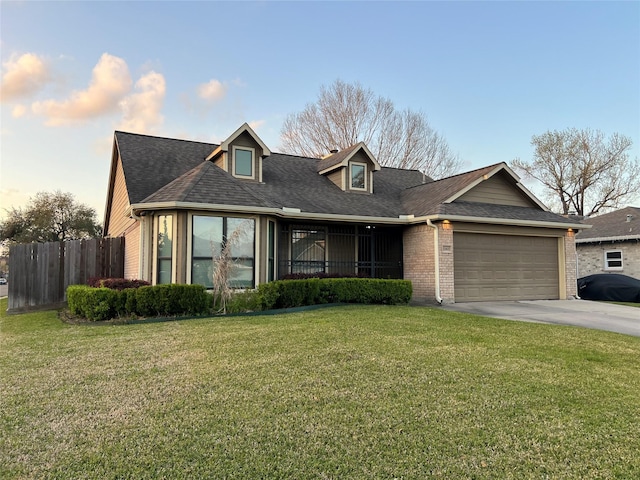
{"x":488,"y":75}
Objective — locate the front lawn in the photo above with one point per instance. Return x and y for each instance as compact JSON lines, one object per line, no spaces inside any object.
{"x":343,"y":392}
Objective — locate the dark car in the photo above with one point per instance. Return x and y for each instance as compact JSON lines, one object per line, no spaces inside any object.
{"x":610,"y":287}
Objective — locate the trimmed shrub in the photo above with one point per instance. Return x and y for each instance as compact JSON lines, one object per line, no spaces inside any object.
{"x":147,"y":301}
{"x":92,"y":303}
{"x":245,"y":301}
{"x":313,"y":291}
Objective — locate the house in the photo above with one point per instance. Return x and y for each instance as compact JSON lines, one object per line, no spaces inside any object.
{"x":611,"y":245}
{"x":480,"y":235}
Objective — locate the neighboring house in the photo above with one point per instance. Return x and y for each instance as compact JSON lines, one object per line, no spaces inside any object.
{"x":611,"y":245}
{"x":476,"y":236}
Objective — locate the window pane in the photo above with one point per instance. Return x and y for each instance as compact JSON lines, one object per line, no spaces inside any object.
{"x":164,"y":249}
{"x":613,"y":259}
{"x":207,"y":236}
{"x":241,"y":274}
{"x":202,"y":272}
{"x":243,"y":162}
{"x":165,"y":236}
{"x":164,"y":270}
{"x":240,"y":231}
{"x":357,"y":176}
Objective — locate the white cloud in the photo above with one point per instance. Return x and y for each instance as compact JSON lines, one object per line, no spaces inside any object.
{"x":110,"y":82}
{"x":141,"y":110}
{"x":23,"y":76}
{"x":18,"y":111}
{"x":212,"y":90}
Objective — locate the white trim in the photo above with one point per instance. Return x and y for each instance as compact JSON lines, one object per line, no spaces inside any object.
{"x":608,"y":268}
{"x":252,"y":150}
{"x":189,"y":249}
{"x":174,"y":246}
{"x":364,"y":179}
{"x":224,"y":146}
{"x":291,"y":213}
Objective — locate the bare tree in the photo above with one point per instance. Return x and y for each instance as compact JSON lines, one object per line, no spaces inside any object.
{"x":345,"y":114}
{"x":582,"y":170}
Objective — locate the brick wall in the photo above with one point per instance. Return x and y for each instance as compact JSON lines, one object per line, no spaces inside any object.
{"x":445,"y":246}
{"x":418,"y":261}
{"x":570,"y":266}
{"x":591,"y":258}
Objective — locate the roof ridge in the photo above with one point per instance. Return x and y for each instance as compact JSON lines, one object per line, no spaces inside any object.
{"x":164,"y":138}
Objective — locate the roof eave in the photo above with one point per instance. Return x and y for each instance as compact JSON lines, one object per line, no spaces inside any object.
{"x":294,"y":213}
{"x":619,"y":238}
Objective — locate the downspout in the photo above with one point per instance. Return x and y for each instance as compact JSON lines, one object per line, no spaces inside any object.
{"x":436,"y":257}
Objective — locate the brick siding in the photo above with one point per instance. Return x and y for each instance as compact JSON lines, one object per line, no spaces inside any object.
{"x":591,"y":258}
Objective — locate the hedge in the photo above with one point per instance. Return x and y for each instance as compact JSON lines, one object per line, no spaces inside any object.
{"x":103,"y":303}
{"x":147,"y":301}
{"x":314,"y":291}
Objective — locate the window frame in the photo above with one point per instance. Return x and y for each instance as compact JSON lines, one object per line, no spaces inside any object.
{"x":251,"y":150}
{"x":156,"y":251}
{"x":365,"y":175}
{"x":190,"y":254}
{"x":607,"y":261}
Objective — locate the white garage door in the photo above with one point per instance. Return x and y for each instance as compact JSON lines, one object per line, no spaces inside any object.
{"x":504,"y":267}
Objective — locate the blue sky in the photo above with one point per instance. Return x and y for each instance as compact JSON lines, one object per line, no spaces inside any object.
{"x":488,"y":75}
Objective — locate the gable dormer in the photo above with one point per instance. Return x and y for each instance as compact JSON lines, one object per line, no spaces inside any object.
{"x":241,"y":154}
{"x":350,"y":169}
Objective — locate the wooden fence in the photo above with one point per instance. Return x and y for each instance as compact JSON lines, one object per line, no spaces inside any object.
{"x":41,"y":272}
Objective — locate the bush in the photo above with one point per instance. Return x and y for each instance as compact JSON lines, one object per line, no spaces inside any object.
{"x":147,"y":301}
{"x":313,"y":291}
{"x":245,"y":301}
{"x":93,"y":303}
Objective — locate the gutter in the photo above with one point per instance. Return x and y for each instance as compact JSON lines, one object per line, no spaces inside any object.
{"x":621,"y":238}
{"x":296,"y":213}
{"x":436,"y":256}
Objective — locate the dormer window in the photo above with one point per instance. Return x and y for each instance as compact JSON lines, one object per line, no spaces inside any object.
{"x":358,"y":175}
{"x":243,"y":162}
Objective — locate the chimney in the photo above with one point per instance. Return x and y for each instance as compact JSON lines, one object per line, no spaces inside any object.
{"x":629,"y":217}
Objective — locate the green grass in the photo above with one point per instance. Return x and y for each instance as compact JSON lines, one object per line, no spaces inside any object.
{"x":345,"y":392}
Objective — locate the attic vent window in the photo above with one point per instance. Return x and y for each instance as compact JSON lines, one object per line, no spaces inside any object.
{"x":358,"y":176}
{"x":243,"y":164}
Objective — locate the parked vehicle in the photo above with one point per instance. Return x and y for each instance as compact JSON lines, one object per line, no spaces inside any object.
{"x":3,"y":281}
{"x":611,"y":287}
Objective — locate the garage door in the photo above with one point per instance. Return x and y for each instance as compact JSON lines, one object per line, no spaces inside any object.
{"x":504,"y":267}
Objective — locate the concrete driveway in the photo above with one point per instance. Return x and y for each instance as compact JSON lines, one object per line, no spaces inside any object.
{"x":580,"y":313}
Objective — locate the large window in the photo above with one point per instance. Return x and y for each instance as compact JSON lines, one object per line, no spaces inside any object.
{"x":358,"y":176}
{"x":243,"y":162}
{"x":216,"y":239}
{"x":613,"y":260}
{"x":164,"y":249}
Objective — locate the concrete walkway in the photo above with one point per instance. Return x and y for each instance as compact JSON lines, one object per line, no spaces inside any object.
{"x":580,"y":313}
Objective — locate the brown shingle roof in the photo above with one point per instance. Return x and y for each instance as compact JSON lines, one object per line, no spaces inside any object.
{"x":612,"y":225}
